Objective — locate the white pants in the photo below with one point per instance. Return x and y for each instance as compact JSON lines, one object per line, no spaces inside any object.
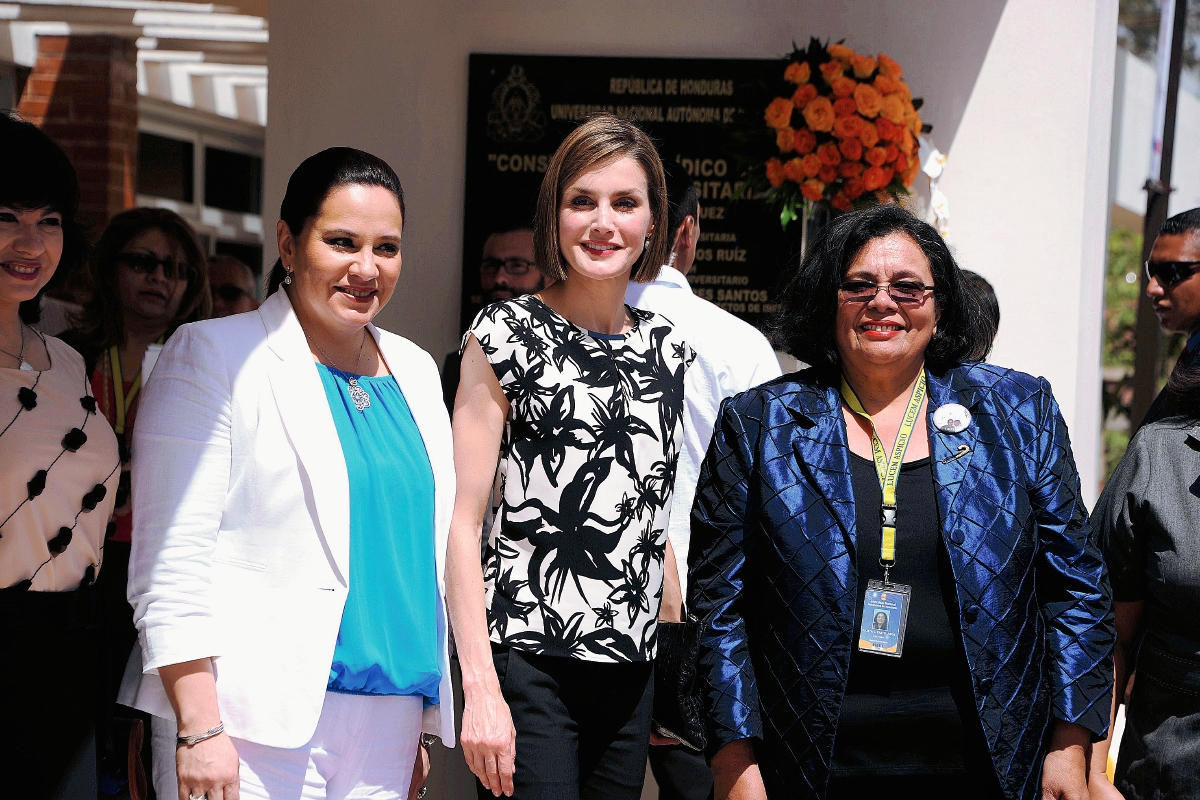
{"x":363,"y":749}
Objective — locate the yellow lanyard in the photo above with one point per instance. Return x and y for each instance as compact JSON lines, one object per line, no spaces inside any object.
{"x":123,"y":403}
{"x":887,"y":469}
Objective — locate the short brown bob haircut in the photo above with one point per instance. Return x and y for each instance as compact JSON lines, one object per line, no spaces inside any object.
{"x":602,"y":138}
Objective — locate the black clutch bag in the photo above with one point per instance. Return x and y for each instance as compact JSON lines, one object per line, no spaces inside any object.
{"x":677,"y":709}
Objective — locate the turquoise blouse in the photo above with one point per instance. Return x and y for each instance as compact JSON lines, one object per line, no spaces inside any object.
{"x":387,"y":643}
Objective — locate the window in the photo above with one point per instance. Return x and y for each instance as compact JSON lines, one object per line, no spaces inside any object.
{"x":165,"y":167}
{"x":232,"y":181}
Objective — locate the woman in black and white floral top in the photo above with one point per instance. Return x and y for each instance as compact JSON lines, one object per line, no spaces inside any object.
{"x":570,"y":412}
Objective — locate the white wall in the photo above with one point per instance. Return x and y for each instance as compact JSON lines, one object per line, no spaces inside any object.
{"x":1132,"y":151}
{"x":1016,"y":92}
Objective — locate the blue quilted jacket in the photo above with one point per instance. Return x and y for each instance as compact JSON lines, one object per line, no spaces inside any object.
{"x":773,"y":578}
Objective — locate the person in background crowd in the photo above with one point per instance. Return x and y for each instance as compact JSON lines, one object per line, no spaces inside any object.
{"x":293,"y":488}
{"x":505,"y":271}
{"x":731,"y":357}
{"x":896,"y":475}
{"x":989,"y":303}
{"x":1174,"y":289}
{"x":579,"y":400}
{"x":233,"y":286}
{"x":58,"y":485}
{"x":1148,"y":526}
{"x":146,"y":277}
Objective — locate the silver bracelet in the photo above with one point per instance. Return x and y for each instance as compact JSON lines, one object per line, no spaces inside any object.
{"x":188,"y":741}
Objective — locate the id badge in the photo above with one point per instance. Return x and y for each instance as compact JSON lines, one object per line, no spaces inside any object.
{"x":885,"y":614}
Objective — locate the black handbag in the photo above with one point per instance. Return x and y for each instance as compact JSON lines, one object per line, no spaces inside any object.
{"x":677,"y":708}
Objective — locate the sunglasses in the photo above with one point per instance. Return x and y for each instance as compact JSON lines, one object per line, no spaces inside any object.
{"x":229,"y":292}
{"x":148,"y":264}
{"x":513,"y":266}
{"x":905,"y":293}
{"x":1170,"y":273}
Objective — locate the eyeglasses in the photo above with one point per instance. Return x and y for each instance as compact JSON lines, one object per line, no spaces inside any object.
{"x":229,"y":292}
{"x":1170,"y":273}
{"x":513,"y":266}
{"x":905,"y":293}
{"x":148,"y":263}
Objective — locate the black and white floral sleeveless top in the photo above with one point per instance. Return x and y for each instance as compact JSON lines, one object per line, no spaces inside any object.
{"x":573,"y":565}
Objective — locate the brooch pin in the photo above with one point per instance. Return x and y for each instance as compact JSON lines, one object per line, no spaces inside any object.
{"x":951,"y":418}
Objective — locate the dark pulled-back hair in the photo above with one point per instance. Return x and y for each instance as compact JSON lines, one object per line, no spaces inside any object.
{"x":809,"y":302}
{"x":35,"y":173}
{"x":598,"y":140}
{"x":320,"y":174}
{"x":1185,"y":222}
{"x":101,"y":323}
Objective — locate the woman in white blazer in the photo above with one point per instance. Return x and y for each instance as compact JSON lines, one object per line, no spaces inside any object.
{"x":292,"y":495}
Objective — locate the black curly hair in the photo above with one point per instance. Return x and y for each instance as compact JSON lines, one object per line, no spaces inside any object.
{"x":804,"y":326}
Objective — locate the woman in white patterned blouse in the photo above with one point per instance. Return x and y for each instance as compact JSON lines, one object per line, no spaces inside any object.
{"x":569,"y":412}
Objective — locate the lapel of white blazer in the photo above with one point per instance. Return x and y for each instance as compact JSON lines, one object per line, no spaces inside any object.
{"x":304,"y":409}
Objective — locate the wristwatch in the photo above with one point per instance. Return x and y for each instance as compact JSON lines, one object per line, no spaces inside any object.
{"x":427,"y":740}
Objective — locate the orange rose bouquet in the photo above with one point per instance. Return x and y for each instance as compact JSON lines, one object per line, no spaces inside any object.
{"x":842,"y":131}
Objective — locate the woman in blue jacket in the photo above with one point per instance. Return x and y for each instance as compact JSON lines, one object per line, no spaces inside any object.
{"x":896,"y":475}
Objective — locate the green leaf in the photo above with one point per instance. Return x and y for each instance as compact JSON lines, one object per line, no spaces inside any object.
{"x":787,"y":215}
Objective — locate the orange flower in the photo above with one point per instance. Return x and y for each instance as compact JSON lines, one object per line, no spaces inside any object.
{"x":797,"y":72}
{"x":785,"y":139}
{"x":828,"y":174}
{"x":804,"y":95}
{"x":779,"y":113}
{"x":812,"y":189}
{"x":810,"y":165}
{"x":829,"y":155}
{"x":793,"y":171}
{"x":887,"y":131}
{"x":889,"y":67}
{"x":849,"y":127}
{"x":869,"y":135}
{"x":908,"y":142}
{"x":901,"y":165}
{"x":872,"y":179}
{"x":854,"y":188}
{"x":892,"y":109}
{"x":863,"y":66}
{"x":876,"y":156}
{"x":775,"y":173}
{"x":819,"y":114}
{"x":805,"y":142}
{"x":868,"y":100}
{"x":891,"y":154}
{"x":832,"y":69}
{"x":903,"y":90}
{"x":843,"y":87}
{"x":884,"y":84}
{"x":914,"y":123}
{"x":851,"y":149}
{"x":841,"y":202}
{"x":850,"y":169}
{"x":888,"y":172}
{"x":907,"y":176}
{"x":841,"y":52}
{"x":845,"y":106}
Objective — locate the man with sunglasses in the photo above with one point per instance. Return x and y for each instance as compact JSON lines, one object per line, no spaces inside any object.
{"x":1174,"y":289}
{"x":233,"y":286}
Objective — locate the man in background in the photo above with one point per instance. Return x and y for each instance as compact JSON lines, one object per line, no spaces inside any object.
{"x":731,"y":357}
{"x":506,"y":270}
{"x":233,"y":286}
{"x":1174,"y":289}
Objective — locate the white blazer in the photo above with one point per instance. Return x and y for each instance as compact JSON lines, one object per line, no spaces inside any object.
{"x":241,"y":519}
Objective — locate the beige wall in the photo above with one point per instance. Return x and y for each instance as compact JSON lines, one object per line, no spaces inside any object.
{"x":1015,"y":90}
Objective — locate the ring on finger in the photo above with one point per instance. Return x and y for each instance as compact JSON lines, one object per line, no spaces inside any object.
{"x":195,"y":797}
{"x":421,"y":792}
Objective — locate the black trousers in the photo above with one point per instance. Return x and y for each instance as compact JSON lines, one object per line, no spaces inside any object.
{"x":48,"y":694}
{"x":681,"y":773}
{"x":583,"y":728}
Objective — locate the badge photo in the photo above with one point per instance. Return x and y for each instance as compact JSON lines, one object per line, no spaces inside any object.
{"x":951,"y":418}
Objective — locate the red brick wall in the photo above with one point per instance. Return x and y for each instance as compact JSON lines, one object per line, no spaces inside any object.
{"x":83,"y":92}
